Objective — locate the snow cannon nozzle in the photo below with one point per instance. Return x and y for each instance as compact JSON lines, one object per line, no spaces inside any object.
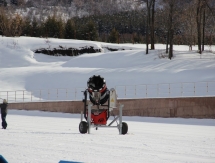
{"x":96,"y":84}
{"x":97,"y":89}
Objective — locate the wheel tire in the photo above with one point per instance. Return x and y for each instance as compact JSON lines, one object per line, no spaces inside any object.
{"x":83,"y":127}
{"x":124,"y":128}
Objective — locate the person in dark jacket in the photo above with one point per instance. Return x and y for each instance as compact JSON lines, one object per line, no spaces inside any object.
{"x":3,"y":107}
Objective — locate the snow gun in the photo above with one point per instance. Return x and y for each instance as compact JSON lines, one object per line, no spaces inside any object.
{"x":102,"y":101}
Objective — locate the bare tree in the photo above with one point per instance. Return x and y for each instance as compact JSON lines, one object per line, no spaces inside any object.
{"x":10,"y":24}
{"x":79,"y":4}
{"x":170,"y":29}
{"x":150,"y":21}
{"x":208,"y":11}
{"x":148,"y":5}
{"x":3,"y":20}
{"x":148,"y":16}
{"x":170,"y":8}
{"x":189,"y":27}
{"x":175,"y":10}
{"x":199,"y":7}
{"x":152,"y":25}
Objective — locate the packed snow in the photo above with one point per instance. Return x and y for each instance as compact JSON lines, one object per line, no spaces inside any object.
{"x":43,"y":137}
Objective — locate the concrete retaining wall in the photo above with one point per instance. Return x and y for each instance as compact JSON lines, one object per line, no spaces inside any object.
{"x":196,"y":107}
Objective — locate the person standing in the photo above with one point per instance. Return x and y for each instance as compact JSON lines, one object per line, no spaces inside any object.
{"x":3,"y":107}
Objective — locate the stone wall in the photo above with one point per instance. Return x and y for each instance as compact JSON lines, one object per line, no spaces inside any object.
{"x":195,"y":107}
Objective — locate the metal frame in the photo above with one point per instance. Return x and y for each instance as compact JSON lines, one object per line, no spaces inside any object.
{"x":85,"y":106}
{"x":88,"y":110}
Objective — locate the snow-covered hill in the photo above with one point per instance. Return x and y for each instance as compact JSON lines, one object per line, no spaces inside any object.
{"x":22,"y":69}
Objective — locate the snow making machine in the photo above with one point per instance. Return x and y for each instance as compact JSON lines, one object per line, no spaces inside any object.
{"x":99,"y":107}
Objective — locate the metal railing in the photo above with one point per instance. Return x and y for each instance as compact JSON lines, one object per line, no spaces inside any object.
{"x":184,"y":89}
{"x":161,"y":90}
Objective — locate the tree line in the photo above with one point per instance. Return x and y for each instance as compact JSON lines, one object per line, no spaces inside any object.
{"x":188,"y":22}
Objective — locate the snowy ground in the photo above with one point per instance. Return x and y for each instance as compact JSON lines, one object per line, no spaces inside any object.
{"x":38,"y":137}
{"x":42,"y":137}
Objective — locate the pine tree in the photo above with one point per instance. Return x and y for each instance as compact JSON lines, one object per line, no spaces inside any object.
{"x":61,"y":29}
{"x":114,"y":35}
{"x":91,"y":32}
{"x":70,"y":30}
{"x":53,"y":28}
{"x":27,"y":28}
{"x":35,"y":28}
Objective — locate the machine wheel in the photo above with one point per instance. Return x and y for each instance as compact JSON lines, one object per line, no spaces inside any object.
{"x":83,"y":127}
{"x":124,"y":128}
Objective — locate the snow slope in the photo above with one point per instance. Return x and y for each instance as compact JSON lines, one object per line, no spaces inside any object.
{"x":22,"y":69}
